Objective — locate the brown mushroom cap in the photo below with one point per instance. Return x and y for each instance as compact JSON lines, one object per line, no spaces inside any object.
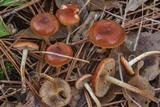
{"x":60,"y":48}
{"x":99,"y":83}
{"x":44,"y":24}
{"x":67,"y":15}
{"x":106,"y":33}
{"x":59,"y":99}
{"x":26,"y":45}
{"x":86,"y":78}
{"x":126,"y":65}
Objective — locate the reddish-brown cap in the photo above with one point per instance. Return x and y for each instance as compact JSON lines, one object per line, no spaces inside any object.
{"x":106,"y":33}
{"x":26,"y":45}
{"x":99,"y":83}
{"x":44,"y":24}
{"x":60,"y":99}
{"x":126,"y":65}
{"x":67,"y":14}
{"x":86,"y":78}
{"x":60,"y":48}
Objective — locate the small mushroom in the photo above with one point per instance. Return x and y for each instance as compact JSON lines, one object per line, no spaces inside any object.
{"x":57,"y":61}
{"x":25,"y":46}
{"x":60,"y":48}
{"x":128,"y":65}
{"x":44,"y":24}
{"x":82,"y":82}
{"x":102,"y":79}
{"x":106,"y":33}
{"x":67,"y":15}
{"x":55,"y":92}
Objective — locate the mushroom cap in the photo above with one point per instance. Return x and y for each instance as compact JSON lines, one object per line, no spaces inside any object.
{"x":44,"y":24}
{"x":60,"y":48}
{"x":59,"y":99}
{"x":106,"y":33}
{"x":67,"y":14}
{"x":26,"y":45}
{"x":126,"y":65}
{"x":86,"y":78}
{"x":99,"y":84}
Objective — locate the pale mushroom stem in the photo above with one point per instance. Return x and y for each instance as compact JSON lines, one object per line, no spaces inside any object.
{"x":133,"y":61}
{"x":46,"y":39}
{"x":22,"y":69}
{"x":86,"y":85}
{"x":69,"y":34}
{"x":131,"y":88}
{"x":52,"y":80}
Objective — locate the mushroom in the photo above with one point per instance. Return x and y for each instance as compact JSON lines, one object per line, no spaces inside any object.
{"x":25,"y":46}
{"x":57,"y":61}
{"x":106,"y":33}
{"x":55,"y":92}
{"x":102,"y":79}
{"x":67,"y":15}
{"x":44,"y":24}
{"x":128,"y":65}
{"x":60,"y":48}
{"x":82,"y":82}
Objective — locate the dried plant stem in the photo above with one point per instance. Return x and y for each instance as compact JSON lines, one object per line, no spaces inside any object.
{"x":20,"y":8}
{"x":61,"y":55}
{"x":131,"y":88}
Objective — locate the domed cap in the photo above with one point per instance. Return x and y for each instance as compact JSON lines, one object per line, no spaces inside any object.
{"x":53,"y":99}
{"x":60,"y":48}
{"x":86,"y":78}
{"x":106,"y":33}
{"x":67,"y":14}
{"x":44,"y":24}
{"x":26,"y":45}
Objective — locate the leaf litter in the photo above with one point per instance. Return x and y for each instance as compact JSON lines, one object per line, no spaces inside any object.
{"x":142,"y":14}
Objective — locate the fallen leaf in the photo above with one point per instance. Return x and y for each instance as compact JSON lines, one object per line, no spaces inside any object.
{"x":100,"y":4}
{"x":3,"y":30}
{"x":143,"y":84}
{"x":75,"y":98}
{"x":132,"y":5}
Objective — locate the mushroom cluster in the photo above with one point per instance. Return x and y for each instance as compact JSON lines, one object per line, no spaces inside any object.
{"x":104,"y":33}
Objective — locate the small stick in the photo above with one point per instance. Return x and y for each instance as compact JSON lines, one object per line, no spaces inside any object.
{"x":61,"y":55}
{"x":20,"y":8}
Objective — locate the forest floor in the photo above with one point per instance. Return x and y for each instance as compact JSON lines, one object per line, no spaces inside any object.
{"x":140,"y":20}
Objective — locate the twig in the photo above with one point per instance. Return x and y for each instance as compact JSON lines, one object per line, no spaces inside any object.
{"x":20,"y":8}
{"x":61,"y":55}
{"x":139,"y":31}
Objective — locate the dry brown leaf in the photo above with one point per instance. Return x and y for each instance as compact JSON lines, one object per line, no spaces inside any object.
{"x":61,"y":2}
{"x":143,"y":84}
{"x":100,"y":4}
{"x":134,"y":4}
{"x":62,"y":33}
{"x":76,"y":96}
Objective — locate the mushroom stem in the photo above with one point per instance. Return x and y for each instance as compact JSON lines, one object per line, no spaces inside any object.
{"x":69,"y":34}
{"x":131,"y":88}
{"x":46,"y":39}
{"x":52,"y":80}
{"x":133,"y":61}
{"x":86,"y":85}
{"x":22,"y":69}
